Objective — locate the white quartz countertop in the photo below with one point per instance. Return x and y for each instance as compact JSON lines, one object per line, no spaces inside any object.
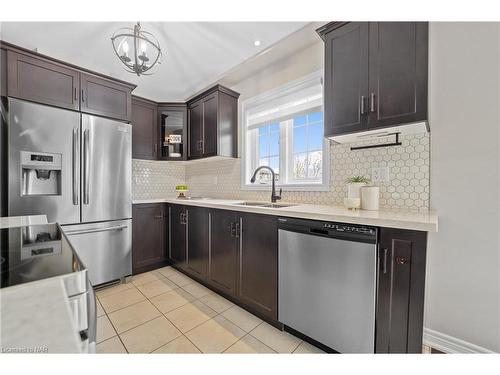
{"x":21,"y":221}
{"x":412,"y":220}
{"x":36,"y":318}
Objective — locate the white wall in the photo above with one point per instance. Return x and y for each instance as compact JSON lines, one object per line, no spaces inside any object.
{"x":463,"y":289}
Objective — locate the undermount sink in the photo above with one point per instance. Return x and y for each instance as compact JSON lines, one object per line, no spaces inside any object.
{"x":262,"y":204}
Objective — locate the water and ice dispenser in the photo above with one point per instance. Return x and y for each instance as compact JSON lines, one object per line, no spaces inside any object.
{"x":40,"y":173}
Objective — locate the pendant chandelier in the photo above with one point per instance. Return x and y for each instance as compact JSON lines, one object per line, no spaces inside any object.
{"x":138,"y":50}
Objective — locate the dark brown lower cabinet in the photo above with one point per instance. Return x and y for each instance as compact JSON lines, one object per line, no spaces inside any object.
{"x":177,"y":245}
{"x":400,"y":294}
{"x":149,"y":237}
{"x":197,"y":241}
{"x":258,"y":264}
{"x":223,"y":253}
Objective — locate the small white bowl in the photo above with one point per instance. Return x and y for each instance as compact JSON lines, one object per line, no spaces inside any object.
{"x":352,"y":203}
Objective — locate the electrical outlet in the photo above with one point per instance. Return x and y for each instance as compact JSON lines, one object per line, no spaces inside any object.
{"x":380,"y":174}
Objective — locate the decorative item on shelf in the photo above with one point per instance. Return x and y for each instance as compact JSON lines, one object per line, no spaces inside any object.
{"x":138,"y":50}
{"x":182,"y":190}
{"x":354,"y":185}
{"x":370,"y":196}
{"x":175,"y":138}
{"x":352,"y":203}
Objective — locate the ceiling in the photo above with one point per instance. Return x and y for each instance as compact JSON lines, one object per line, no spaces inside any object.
{"x":195,"y":54}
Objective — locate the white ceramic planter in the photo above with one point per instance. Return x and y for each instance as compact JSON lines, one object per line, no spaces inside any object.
{"x":370,"y":196}
{"x":353,"y":189}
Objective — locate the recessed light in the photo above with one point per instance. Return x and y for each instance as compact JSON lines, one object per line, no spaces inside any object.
{"x":256,"y":43}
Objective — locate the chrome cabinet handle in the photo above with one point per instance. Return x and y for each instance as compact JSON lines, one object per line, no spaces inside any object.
{"x":73,"y":232}
{"x":83,"y":96}
{"x":75,"y":157}
{"x":362,"y":109}
{"x":384,"y":261}
{"x":372,"y":102}
{"x":76,"y":94}
{"x":86,"y":156}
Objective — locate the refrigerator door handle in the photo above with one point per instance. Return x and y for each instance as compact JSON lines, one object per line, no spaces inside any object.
{"x":75,"y":166}
{"x":86,"y":155}
{"x":73,"y":232}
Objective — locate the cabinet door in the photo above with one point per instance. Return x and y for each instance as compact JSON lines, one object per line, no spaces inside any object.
{"x":223,"y":252}
{"x":346,"y":79}
{"x":42,"y":81}
{"x":149,"y":224}
{"x":400,"y":294}
{"x":106,"y":98}
{"x":3,"y":72}
{"x":197,"y":241}
{"x":195,"y":129}
{"x":144,"y":128}
{"x":398,"y":73}
{"x":209,"y":144}
{"x":258,"y":264}
{"x":177,"y":231}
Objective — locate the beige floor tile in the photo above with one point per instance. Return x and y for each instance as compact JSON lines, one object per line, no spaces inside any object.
{"x":181,"y":279}
{"x":156,"y":287}
{"x":216,"y":302}
{"x":215,"y":335}
{"x":180,"y":345}
{"x":134,"y":315}
{"x":144,"y":278}
{"x":120,"y":300}
{"x":190,"y":315}
{"x":172,"y":300}
{"x":249,"y":344}
{"x":280,"y":341}
{"x":242,"y":318}
{"x":306,"y":348}
{"x":168,"y":271}
{"x":111,"y":346}
{"x":113,"y":289}
{"x":149,"y":336}
{"x":104,"y":329}
{"x":99,"y":310}
{"x":197,"y":290}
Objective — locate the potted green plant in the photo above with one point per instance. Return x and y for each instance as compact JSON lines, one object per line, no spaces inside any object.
{"x":354,"y":185}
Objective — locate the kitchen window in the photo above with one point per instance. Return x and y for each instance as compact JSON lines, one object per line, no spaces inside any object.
{"x":283,"y":129}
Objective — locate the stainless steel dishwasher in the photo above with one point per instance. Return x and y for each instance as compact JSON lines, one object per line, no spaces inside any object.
{"x":327,"y":282}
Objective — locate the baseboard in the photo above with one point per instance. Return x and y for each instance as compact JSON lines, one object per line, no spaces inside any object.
{"x":450,"y":344}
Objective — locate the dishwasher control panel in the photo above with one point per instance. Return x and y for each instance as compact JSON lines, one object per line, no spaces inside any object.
{"x":349,"y":228}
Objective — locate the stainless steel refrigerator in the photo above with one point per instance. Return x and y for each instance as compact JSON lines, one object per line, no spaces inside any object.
{"x":76,"y":169}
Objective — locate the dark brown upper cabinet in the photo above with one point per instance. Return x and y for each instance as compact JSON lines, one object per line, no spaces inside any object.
{"x":105,"y":97}
{"x":3,"y":72}
{"x":149,"y":236}
{"x":223,"y":252}
{"x":400,"y":292}
{"x":144,"y":129}
{"x":172,"y":125}
{"x":42,"y":81}
{"x":197,"y":241}
{"x":258,"y":264}
{"x":213,"y":123}
{"x":375,"y":75}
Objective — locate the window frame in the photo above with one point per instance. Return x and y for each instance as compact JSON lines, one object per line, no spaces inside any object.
{"x":285,"y":149}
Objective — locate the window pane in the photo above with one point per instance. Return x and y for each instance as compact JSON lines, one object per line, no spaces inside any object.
{"x":315,"y":117}
{"x":315,"y":137}
{"x":300,"y":166}
{"x":274,"y":163}
{"x":263,"y":146}
{"x":298,"y":121}
{"x":274,"y":144}
{"x":263,"y":129}
{"x":263,"y":161}
{"x":299,"y":140}
{"x":274,"y":127}
{"x":315,"y":165}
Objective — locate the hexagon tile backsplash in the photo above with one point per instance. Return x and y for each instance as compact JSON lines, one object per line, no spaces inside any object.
{"x":408,"y":186}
